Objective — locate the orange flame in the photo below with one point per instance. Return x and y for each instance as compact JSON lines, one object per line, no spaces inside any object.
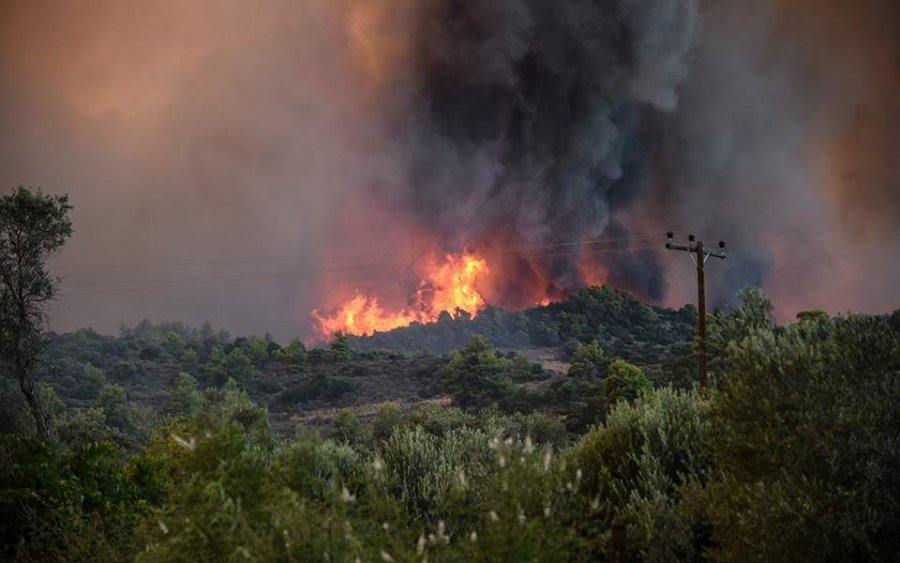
{"x":449,"y":286}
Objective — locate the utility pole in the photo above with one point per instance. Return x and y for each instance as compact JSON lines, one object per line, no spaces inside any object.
{"x":619,"y":544}
{"x":695,"y":247}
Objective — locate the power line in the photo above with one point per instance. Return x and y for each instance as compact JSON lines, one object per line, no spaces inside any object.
{"x":504,"y":256}
{"x":811,"y":235}
{"x":241,"y":261}
{"x":172,"y":283}
{"x":176,"y":283}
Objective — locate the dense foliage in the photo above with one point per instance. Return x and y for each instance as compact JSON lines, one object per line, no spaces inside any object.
{"x":791,"y":455}
{"x":621,"y":324}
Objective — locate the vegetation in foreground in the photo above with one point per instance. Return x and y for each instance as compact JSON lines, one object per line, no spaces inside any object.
{"x":790,"y":456}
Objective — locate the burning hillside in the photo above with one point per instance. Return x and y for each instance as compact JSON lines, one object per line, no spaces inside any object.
{"x":449,"y":285}
{"x":522,"y":131}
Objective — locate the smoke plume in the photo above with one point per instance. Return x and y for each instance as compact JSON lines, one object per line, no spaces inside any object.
{"x":248,"y":162}
{"x":526,"y":120}
{"x":782,"y":145}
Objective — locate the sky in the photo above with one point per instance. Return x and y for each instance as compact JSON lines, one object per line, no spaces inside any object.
{"x":245,"y":163}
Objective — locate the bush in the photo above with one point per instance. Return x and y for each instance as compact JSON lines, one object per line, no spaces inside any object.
{"x":185,"y":398}
{"x":588,"y":361}
{"x":79,"y":506}
{"x":348,"y":429}
{"x":420,"y":468}
{"x":387,"y":418}
{"x":635,"y":466}
{"x":317,"y":469}
{"x":293,"y":355}
{"x":476,"y":376}
{"x":625,"y":382}
{"x":806,"y":459}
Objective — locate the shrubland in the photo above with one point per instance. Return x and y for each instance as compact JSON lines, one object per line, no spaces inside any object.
{"x":789,"y":455}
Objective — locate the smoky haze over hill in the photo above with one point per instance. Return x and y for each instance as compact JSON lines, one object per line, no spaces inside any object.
{"x":200,"y":140}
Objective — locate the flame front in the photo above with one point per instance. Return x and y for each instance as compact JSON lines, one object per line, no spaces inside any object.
{"x":448,"y":286}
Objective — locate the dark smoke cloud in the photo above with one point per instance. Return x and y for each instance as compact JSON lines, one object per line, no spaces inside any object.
{"x":787,"y":124}
{"x":209,"y":131}
{"x":527,"y":115}
{"x":560,"y":121}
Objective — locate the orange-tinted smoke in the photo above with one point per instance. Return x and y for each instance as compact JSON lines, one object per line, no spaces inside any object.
{"x":855,"y":48}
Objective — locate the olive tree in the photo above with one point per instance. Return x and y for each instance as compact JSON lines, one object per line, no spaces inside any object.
{"x":33,"y":225}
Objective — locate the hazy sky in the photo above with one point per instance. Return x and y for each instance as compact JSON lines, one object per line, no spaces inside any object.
{"x":206,"y":144}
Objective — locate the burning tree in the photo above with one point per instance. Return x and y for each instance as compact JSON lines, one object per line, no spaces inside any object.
{"x":33,"y":225}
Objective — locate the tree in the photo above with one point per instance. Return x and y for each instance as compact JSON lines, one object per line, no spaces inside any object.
{"x":589,"y":361}
{"x":114,"y":402}
{"x":812,"y":316}
{"x":340,"y":347}
{"x":625,"y":381}
{"x":186,"y":397}
{"x":258,"y":351}
{"x":293,"y":355}
{"x":173,"y":344}
{"x":238,"y":366}
{"x":806,"y":459}
{"x":190,"y":360}
{"x":387,"y":418}
{"x":94,"y":378}
{"x":725,"y":327}
{"x":216,"y":366}
{"x":33,"y":225}
{"x":476,"y":376}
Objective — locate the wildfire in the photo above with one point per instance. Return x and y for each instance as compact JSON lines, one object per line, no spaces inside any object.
{"x":448,"y":286}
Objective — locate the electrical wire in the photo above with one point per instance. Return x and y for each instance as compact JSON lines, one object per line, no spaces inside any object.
{"x":176,"y":283}
{"x":628,"y":243}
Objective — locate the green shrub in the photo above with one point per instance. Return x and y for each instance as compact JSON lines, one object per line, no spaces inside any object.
{"x":348,"y":429}
{"x":625,"y":382}
{"x":635,"y":466}
{"x":78,"y":506}
{"x":317,"y":469}
{"x":588,"y":361}
{"x":476,"y":376}
{"x":387,"y":418}
{"x":293,"y":355}
{"x":185,"y":398}
{"x":420,"y":468}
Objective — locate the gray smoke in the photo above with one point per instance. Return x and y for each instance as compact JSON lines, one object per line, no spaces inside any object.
{"x":783,"y":145}
{"x":535,"y":122}
{"x":189,"y":132}
{"x":528,"y":117}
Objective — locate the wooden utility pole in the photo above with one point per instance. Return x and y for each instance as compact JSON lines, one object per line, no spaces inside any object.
{"x":695,"y":247}
{"x":701,"y":314}
{"x":619,"y":545}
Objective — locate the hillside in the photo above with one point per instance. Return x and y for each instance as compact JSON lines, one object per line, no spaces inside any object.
{"x":623,"y":325}
{"x":483,"y":446}
{"x":404,"y":367}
